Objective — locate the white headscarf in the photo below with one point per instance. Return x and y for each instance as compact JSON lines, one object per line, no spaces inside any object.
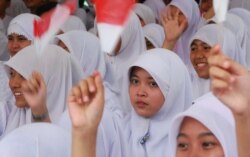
{"x":81,"y":13}
{"x":213,"y":34}
{"x":157,"y":7}
{"x":73,"y":23}
{"x":162,"y":65}
{"x":4,"y":55}
{"x":16,"y":8}
{"x":37,"y":140}
{"x":238,"y":27}
{"x":23,"y":25}
{"x":155,"y":34}
{"x":87,"y":50}
{"x":244,"y":15}
{"x":239,"y":4}
{"x":209,"y":111}
{"x":59,"y":79}
{"x":191,"y":11}
{"x":145,"y":13}
{"x":133,"y":44}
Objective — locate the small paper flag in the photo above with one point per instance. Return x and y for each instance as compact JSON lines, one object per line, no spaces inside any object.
{"x":220,"y":9}
{"x":111,"y":16}
{"x":50,"y":23}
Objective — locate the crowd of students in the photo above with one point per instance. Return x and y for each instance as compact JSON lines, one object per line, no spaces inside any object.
{"x":176,"y":84}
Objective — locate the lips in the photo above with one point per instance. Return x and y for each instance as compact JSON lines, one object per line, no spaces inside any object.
{"x":141,"y":104}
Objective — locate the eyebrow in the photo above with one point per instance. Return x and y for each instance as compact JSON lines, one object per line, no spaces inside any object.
{"x":199,"y":136}
{"x":134,"y":75}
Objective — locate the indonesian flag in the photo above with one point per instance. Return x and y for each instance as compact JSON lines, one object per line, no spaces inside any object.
{"x":220,"y":9}
{"x":111,"y":16}
{"x":50,"y":23}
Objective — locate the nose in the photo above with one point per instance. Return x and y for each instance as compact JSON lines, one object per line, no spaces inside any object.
{"x":195,"y":152}
{"x":141,"y":91}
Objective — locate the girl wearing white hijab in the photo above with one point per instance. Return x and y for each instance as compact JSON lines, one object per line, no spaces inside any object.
{"x":131,"y":45}
{"x":21,"y":32}
{"x":154,"y":35}
{"x":144,"y":13}
{"x":87,"y":50}
{"x":156,"y":96}
{"x":73,"y":23}
{"x":36,"y":140}
{"x":244,"y":15}
{"x":157,"y":7}
{"x":200,"y":44}
{"x":186,"y":15}
{"x":58,"y":78}
{"x":207,"y":128}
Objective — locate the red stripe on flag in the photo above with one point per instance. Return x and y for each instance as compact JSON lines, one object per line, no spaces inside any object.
{"x":113,"y":11}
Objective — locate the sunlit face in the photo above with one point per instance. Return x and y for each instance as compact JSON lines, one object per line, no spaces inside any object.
{"x":149,"y":44}
{"x":62,"y":45}
{"x":194,"y":139}
{"x":15,"y":83}
{"x":33,"y":3}
{"x":145,"y":95}
{"x":181,"y":16}
{"x":199,"y":54}
{"x":205,"y":5}
{"x":16,"y":43}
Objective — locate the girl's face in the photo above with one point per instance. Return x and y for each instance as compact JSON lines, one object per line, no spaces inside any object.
{"x":181,"y":16}
{"x":199,"y":54}
{"x":15,"y":83}
{"x":194,"y":139}
{"x":16,"y":43}
{"x":145,"y":95}
{"x":62,"y":45}
{"x":205,"y":5}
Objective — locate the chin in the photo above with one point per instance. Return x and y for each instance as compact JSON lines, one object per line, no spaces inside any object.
{"x":21,"y":104}
{"x":203,"y":76}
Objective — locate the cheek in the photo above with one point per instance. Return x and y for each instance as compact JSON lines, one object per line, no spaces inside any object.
{"x":25,"y":44}
{"x":158,"y":100}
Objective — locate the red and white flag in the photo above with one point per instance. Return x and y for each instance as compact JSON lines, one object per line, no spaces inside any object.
{"x":50,"y":23}
{"x":111,"y":16}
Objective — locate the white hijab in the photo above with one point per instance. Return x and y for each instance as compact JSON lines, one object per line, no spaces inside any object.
{"x":145,"y":13}
{"x":239,"y":4}
{"x":157,"y":7}
{"x":87,"y":50}
{"x":213,"y":34}
{"x":23,"y":25}
{"x":214,"y":115}
{"x":4,"y":55}
{"x":244,"y":15}
{"x":59,"y":79}
{"x":155,"y":34}
{"x":191,"y":11}
{"x":133,"y":44}
{"x":73,"y":23}
{"x":36,"y":140}
{"x":164,"y":66}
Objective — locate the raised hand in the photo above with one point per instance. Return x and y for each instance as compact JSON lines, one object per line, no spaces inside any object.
{"x":86,"y":103}
{"x":173,"y":27}
{"x":230,"y":82}
{"x":34,"y":91}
